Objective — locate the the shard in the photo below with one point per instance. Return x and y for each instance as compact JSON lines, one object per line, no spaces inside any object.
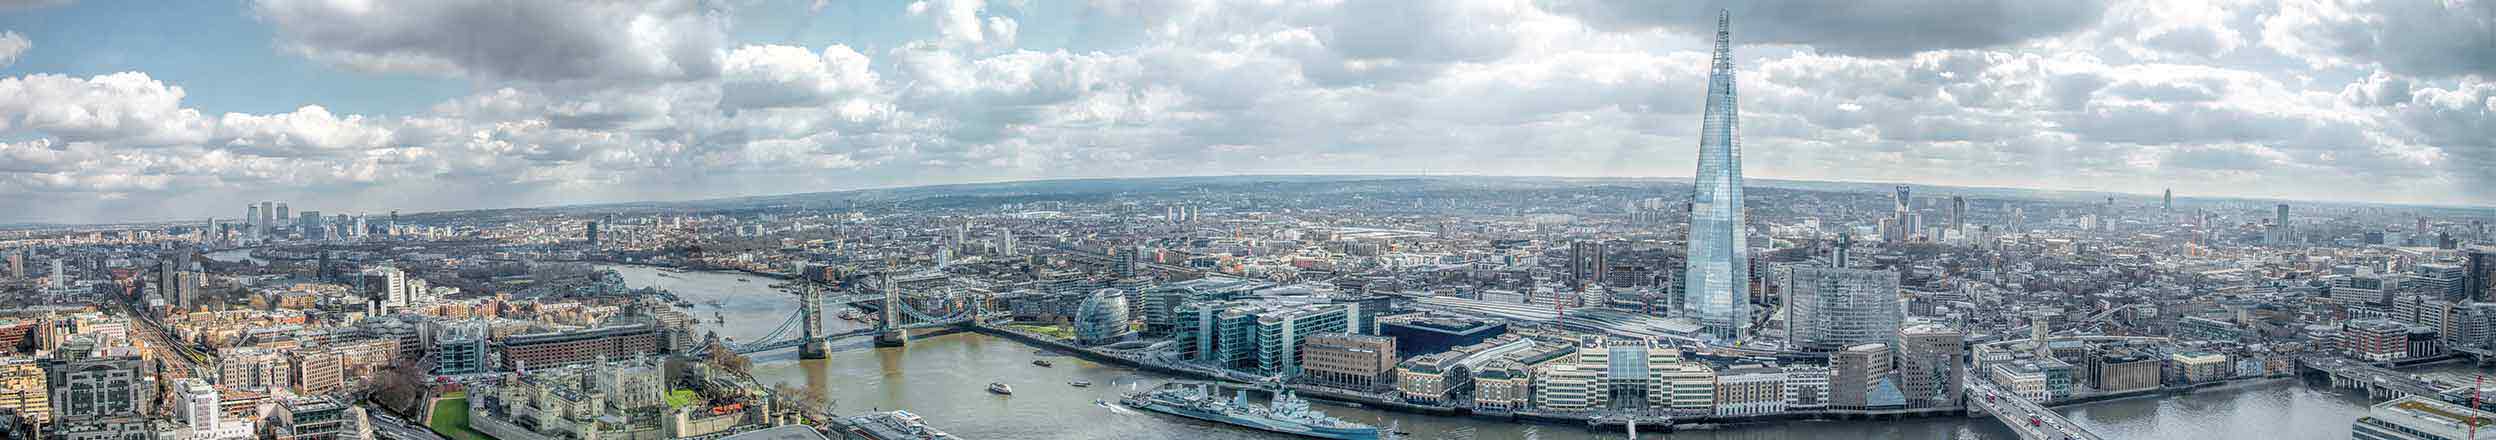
{"x":1716,"y":276}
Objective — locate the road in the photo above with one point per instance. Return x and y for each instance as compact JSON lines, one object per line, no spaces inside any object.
{"x":395,"y":429}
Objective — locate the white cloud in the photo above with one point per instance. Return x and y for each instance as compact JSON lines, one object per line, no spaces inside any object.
{"x":558,"y":40}
{"x":642,"y":100}
{"x":779,"y":76}
{"x":12,"y":46}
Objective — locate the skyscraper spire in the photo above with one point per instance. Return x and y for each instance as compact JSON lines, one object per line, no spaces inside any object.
{"x":1717,"y":273}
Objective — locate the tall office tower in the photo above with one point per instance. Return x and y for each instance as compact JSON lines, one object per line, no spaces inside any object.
{"x":268,"y":218}
{"x":1005,"y":241}
{"x":17,"y":263}
{"x":2478,"y":273}
{"x":1845,"y":250}
{"x":1718,"y":269}
{"x":283,"y":215}
{"x":2421,"y":230}
{"x":1586,"y":262}
{"x":2283,"y":216}
{"x":961,"y":236}
{"x":60,"y":274}
{"x":1900,"y":210}
{"x":251,"y":220}
{"x":1125,"y":261}
{"x":2019,"y":220}
{"x":1929,"y":370}
{"x":310,"y":223}
{"x":1958,"y":213}
{"x":1828,"y":309}
{"x":2167,"y":203}
{"x":593,"y":233}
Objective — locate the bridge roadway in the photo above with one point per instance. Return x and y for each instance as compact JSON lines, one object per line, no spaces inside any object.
{"x":2015,"y":412}
{"x":2378,"y":382}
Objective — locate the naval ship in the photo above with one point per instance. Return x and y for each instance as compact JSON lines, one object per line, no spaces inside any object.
{"x":1286,"y":414}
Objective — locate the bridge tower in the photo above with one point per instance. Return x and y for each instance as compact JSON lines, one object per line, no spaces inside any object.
{"x":810,"y":309}
{"x":893,"y":335}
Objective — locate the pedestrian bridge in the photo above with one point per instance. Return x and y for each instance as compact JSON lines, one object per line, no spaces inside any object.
{"x":2031,"y":420}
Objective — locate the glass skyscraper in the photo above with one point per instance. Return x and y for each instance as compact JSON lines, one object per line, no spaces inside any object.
{"x":1718,"y":270}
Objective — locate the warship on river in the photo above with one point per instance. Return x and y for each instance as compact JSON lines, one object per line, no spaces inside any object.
{"x":1287,"y":414}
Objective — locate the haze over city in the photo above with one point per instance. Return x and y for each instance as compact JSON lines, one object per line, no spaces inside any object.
{"x":117,"y":111}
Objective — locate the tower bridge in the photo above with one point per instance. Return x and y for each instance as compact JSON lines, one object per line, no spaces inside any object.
{"x":900,"y":312}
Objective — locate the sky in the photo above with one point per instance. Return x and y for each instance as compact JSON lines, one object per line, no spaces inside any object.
{"x":119,"y":111}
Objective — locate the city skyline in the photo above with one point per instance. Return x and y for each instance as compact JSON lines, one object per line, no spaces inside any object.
{"x":359,"y":110}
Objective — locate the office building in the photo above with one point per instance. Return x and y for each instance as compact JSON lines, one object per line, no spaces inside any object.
{"x":2374,"y":340}
{"x":1102,"y":318}
{"x":1859,"y":378}
{"x":311,"y":418}
{"x":1930,"y":365}
{"x":1829,"y":309}
{"x":90,"y":388}
{"x":24,"y":390}
{"x":1586,"y":263}
{"x":317,"y":371}
{"x":255,"y":368}
{"x":2479,"y":273}
{"x":1749,"y":390}
{"x":553,"y":349}
{"x":1416,"y":335}
{"x":1719,"y":263}
{"x":1350,"y":362}
{"x":2420,"y":418}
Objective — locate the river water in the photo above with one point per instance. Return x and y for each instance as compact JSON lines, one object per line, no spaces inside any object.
{"x":944,"y":379}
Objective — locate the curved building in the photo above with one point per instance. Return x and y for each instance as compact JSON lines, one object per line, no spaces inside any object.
{"x":1102,"y":319}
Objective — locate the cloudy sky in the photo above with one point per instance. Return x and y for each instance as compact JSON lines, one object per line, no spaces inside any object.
{"x":170,"y":110}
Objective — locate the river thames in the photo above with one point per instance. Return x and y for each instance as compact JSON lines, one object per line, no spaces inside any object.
{"x":944,"y":379}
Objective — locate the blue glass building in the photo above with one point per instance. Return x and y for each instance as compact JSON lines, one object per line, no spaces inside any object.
{"x":1718,"y":272}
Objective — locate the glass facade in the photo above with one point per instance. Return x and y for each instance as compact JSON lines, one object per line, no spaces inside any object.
{"x":1717,"y":284}
{"x":1102,"y":319}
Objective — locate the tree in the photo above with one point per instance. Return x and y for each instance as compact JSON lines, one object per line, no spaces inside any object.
{"x":720,"y":356}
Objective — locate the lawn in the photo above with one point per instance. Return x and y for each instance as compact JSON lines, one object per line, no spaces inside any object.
{"x":679,"y":398}
{"x":1054,"y":331}
{"x":450,"y":418}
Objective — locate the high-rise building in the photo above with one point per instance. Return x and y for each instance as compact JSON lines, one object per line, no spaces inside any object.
{"x":59,"y":275}
{"x":251,"y":219}
{"x":1929,"y":370}
{"x":1718,"y":267}
{"x":1005,"y":242}
{"x":385,"y":286}
{"x":2167,"y":202}
{"x":17,"y":262}
{"x":283,"y":216}
{"x":1829,"y":309}
{"x":1859,"y":378}
{"x":593,"y":233}
{"x":1898,"y":227}
{"x":267,"y":219}
{"x":1586,"y":262}
{"x":2283,"y":216}
{"x":1958,"y":214}
{"x":2479,"y":273}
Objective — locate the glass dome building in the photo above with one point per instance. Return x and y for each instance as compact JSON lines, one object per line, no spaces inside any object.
{"x":1102,"y":318}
